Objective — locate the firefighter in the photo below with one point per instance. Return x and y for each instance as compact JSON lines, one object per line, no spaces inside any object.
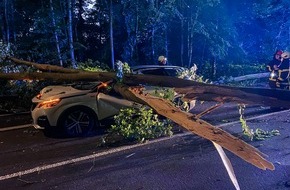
{"x":273,"y":67}
{"x":276,"y":61}
{"x":284,"y":71}
{"x":162,"y":60}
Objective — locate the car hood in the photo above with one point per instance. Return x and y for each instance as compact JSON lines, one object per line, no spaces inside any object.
{"x":51,"y":92}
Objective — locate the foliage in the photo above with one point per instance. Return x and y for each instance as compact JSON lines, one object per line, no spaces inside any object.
{"x":126,"y":68}
{"x":23,"y":91}
{"x":170,"y":94}
{"x":191,"y":74}
{"x":5,"y":50}
{"x":258,"y":134}
{"x":165,"y":93}
{"x":94,"y":66}
{"x":140,"y":124}
{"x":243,"y":69}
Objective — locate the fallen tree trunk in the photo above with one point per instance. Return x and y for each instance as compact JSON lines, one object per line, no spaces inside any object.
{"x":191,"y":89}
{"x":198,"y":126}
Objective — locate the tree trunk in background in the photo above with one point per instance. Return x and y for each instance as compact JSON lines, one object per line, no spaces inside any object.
{"x":136,"y":33}
{"x":166,"y":41}
{"x":6,"y":24}
{"x":191,"y":27}
{"x":63,"y":10}
{"x":189,"y":44}
{"x":79,"y":21}
{"x":214,"y":67}
{"x":55,"y":33}
{"x":70,"y":34}
{"x":13,"y":22}
{"x":112,"y":36}
{"x":79,"y":28}
{"x":152,"y":53}
{"x":182,"y":42}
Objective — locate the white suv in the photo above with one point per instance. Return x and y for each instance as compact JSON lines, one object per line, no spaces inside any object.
{"x":75,"y":110}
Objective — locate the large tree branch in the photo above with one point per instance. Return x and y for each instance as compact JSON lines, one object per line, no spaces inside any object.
{"x":257,"y":96}
{"x":43,"y":67}
{"x":82,"y":76}
{"x":198,"y":126}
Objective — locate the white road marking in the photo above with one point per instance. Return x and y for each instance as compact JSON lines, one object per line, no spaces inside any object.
{"x":15,"y":127}
{"x":255,"y":117}
{"x":93,"y":156}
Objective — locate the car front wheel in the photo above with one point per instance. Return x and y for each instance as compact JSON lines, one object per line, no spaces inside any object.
{"x":78,"y":122}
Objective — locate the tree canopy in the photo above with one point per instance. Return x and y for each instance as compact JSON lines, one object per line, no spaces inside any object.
{"x":211,"y":34}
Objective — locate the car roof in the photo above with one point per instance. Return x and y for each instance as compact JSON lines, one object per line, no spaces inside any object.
{"x":167,"y":70}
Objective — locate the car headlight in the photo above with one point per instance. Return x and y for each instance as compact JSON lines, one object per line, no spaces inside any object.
{"x":48,"y":103}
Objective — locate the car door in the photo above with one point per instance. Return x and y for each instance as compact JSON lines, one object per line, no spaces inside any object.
{"x":109,"y":105}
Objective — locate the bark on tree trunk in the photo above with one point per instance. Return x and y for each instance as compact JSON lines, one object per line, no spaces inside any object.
{"x":55,"y":33}
{"x":70,"y":34}
{"x":111,"y":36}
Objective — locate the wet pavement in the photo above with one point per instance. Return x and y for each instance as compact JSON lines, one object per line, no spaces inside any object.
{"x":29,"y":160}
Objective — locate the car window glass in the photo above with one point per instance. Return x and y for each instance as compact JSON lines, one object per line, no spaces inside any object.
{"x":85,"y":86}
{"x":161,"y":71}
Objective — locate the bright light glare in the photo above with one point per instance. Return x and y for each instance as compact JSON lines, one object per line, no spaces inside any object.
{"x":272,"y":75}
{"x":49,"y":103}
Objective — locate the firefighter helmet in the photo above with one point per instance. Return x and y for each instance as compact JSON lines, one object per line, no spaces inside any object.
{"x":279,"y":52}
{"x":161,"y":58}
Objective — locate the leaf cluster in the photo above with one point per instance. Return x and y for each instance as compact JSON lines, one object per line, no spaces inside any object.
{"x":140,"y":124}
{"x":258,"y":134}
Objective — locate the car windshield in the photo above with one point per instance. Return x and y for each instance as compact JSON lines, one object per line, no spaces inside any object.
{"x":85,"y":86}
{"x":161,"y":71}
{"x":157,"y":70}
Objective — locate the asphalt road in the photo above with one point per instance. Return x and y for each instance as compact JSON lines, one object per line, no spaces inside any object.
{"x":29,"y":160}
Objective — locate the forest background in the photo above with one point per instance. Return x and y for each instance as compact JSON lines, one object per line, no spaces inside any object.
{"x":222,"y":37}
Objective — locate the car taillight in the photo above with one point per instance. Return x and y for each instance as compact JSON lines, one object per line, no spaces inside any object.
{"x":48,"y":103}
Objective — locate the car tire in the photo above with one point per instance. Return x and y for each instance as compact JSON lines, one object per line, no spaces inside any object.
{"x":78,"y":122}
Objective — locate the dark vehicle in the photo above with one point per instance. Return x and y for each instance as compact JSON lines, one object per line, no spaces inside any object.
{"x":166,"y":70}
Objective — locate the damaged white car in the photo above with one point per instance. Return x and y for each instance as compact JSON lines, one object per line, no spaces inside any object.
{"x":75,"y":110}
